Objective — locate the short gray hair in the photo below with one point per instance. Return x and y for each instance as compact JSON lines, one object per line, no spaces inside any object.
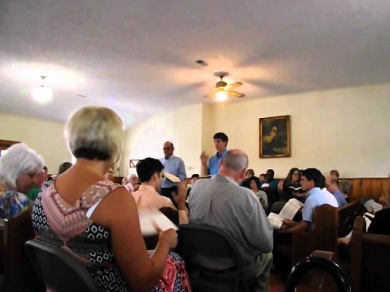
{"x":95,"y":133}
{"x":19,"y":160}
{"x":236,"y":160}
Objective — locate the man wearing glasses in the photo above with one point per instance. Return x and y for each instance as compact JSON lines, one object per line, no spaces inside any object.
{"x":173,"y":165}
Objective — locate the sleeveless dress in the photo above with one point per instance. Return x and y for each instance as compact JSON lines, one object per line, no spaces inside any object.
{"x":69,"y":227}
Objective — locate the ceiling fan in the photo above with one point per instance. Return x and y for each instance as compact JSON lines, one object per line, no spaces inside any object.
{"x":222,"y":89}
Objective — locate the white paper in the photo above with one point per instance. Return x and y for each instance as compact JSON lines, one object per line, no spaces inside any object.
{"x":275,"y":220}
{"x":147,"y":218}
{"x":372,"y":206}
{"x":171,"y":177}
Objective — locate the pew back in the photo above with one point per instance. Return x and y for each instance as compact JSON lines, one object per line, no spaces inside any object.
{"x":370,"y":261}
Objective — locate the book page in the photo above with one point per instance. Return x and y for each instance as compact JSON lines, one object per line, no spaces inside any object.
{"x":148,"y":218}
{"x":372,"y":206}
{"x":275,"y":220}
{"x":290,"y":209}
{"x":171,"y":177}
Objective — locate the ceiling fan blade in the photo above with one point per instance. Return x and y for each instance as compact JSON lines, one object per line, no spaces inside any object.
{"x":234,"y":85}
{"x":236,"y":94}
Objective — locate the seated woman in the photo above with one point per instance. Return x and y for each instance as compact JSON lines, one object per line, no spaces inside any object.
{"x":97,"y":220}
{"x":261,"y":195}
{"x":151,"y":172}
{"x":292,"y":186}
{"x":20,"y":171}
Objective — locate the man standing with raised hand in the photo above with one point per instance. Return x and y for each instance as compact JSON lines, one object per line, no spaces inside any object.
{"x":211,"y":166}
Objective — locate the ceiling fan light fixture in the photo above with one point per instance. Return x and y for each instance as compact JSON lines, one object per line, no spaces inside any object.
{"x":221,"y":95}
{"x":42,"y":94}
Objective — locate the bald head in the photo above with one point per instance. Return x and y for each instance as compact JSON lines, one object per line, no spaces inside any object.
{"x":168,"y":149}
{"x":235,"y":160}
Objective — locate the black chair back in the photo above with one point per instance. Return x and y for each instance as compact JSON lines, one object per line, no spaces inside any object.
{"x":308,"y":263}
{"x":58,"y":269}
{"x":211,"y":258}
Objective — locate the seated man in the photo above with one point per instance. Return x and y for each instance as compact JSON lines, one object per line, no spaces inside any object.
{"x":222,"y":203}
{"x":332,"y":185}
{"x":272,"y":182}
{"x":311,"y":181}
{"x":151,"y":171}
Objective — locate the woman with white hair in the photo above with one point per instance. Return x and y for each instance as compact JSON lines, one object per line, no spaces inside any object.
{"x":20,"y":171}
{"x":97,"y":220}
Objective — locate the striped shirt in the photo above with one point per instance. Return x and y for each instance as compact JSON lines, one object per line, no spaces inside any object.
{"x":222,"y":203}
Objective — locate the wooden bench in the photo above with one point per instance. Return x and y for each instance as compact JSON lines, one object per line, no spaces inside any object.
{"x":370,"y":259}
{"x":18,"y":273}
{"x":322,"y":237}
{"x":347,"y":215}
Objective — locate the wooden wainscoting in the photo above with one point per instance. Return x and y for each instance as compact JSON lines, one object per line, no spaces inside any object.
{"x":368,"y":187}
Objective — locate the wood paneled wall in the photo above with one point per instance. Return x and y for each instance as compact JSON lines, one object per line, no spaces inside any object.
{"x":368,"y":187}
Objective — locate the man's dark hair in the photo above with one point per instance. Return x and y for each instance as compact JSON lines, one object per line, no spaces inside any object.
{"x":221,"y":136}
{"x":147,"y":167}
{"x":322,"y":182}
{"x":195,"y":175}
{"x":45,"y":168}
{"x":64,"y":167}
{"x":315,"y":175}
{"x":270,"y":173}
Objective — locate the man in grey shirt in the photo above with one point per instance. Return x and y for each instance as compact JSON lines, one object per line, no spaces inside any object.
{"x":222,"y":203}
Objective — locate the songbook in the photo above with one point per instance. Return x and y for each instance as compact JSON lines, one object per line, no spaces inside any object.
{"x":296,"y":189}
{"x":289,"y":211}
{"x":173,"y":178}
{"x":372,"y":206}
{"x":151,"y":218}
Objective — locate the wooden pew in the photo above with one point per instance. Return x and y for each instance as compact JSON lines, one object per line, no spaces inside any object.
{"x":347,"y":215}
{"x":18,"y":273}
{"x":322,"y":237}
{"x":370,"y":259}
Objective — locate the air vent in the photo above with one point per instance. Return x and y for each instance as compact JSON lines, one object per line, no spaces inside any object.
{"x":201,"y":63}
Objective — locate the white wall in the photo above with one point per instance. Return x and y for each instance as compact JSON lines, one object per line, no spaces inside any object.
{"x":46,"y":138}
{"x":345,"y":129}
{"x":182,"y":127}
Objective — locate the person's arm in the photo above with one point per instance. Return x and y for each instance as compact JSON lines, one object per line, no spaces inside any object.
{"x":118,"y":213}
{"x":297,"y":227}
{"x":180,"y":199}
{"x":182,"y":170}
{"x":203,"y":160}
{"x":255,"y":225}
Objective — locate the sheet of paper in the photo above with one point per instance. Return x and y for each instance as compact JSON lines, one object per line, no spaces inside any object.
{"x":171,"y":177}
{"x":290,"y":209}
{"x":275,"y":220}
{"x":148,"y":218}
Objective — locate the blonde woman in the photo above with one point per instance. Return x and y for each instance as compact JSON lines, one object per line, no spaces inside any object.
{"x":97,"y":220}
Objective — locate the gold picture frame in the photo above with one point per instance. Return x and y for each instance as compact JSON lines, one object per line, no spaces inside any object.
{"x":274,"y":137}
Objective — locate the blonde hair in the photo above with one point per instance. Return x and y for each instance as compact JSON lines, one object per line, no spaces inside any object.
{"x":19,"y":160}
{"x":95,"y":133}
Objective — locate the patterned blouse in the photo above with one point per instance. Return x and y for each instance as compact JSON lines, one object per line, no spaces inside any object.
{"x":12,"y":203}
{"x":67,"y":226}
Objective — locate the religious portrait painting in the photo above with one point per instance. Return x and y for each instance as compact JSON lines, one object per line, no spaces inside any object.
{"x":275,"y":137}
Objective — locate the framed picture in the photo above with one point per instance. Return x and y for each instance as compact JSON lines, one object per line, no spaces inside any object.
{"x":275,"y":137}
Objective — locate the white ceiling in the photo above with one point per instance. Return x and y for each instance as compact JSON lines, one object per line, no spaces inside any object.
{"x":138,"y":56}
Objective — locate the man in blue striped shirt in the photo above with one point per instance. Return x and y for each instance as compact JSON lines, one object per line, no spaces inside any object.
{"x":222,"y":203}
{"x":174,"y":165}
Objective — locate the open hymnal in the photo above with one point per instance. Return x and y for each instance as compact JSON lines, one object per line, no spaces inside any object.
{"x":296,"y":189}
{"x":372,"y":206}
{"x":149,"y":220}
{"x":172,"y":177}
{"x":288,"y":212}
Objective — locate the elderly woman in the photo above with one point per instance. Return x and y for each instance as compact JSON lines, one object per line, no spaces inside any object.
{"x":20,"y":171}
{"x":97,"y":220}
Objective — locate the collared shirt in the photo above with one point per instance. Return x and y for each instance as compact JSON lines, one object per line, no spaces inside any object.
{"x":175,"y":166}
{"x":214,"y":162}
{"x":340,"y":198}
{"x":148,"y":198}
{"x":315,"y":198}
{"x":221,"y":202}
